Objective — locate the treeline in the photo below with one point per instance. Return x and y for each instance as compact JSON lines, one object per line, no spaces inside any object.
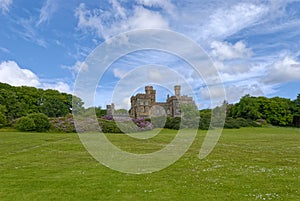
{"x":276,"y":111}
{"x":17,"y":102}
{"x":248,"y":112}
{"x":28,"y":108}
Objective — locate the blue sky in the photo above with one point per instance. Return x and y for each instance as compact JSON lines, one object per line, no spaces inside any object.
{"x":253,"y":44}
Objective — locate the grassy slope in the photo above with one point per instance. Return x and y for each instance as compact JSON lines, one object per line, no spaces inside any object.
{"x":246,"y":164}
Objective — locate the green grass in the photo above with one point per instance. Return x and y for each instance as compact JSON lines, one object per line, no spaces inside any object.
{"x":246,"y":164}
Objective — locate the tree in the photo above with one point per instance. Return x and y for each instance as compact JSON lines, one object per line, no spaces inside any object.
{"x":3,"y":120}
{"x":41,"y":121}
{"x":247,"y":108}
{"x":54,"y":104}
{"x":190,"y":116}
{"x":25,"y":124}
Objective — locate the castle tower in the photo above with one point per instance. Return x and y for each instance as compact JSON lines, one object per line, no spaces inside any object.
{"x":148,"y":89}
{"x":177,"y":90}
{"x":110,"y":109}
{"x":151,"y":93}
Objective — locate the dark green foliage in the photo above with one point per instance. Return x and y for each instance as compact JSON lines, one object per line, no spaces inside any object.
{"x":55,"y":104}
{"x":21,"y":101}
{"x":34,"y":122}
{"x":231,"y":123}
{"x":173,"y":123}
{"x":109,"y":126}
{"x":276,"y":111}
{"x":296,"y":121}
{"x":3,"y":120}
{"x":25,"y":124}
{"x":41,"y":121}
{"x":100,"y":112}
{"x":205,"y":118}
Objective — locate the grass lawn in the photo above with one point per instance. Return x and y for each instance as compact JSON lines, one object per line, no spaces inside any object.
{"x":246,"y":164}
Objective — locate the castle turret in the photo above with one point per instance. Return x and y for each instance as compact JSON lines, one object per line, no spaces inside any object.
{"x":152,"y":93}
{"x":177,"y":90}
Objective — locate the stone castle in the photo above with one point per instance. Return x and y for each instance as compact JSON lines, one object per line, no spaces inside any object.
{"x":145,"y":105}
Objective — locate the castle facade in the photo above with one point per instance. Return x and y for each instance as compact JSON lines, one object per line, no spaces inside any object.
{"x":145,"y":105}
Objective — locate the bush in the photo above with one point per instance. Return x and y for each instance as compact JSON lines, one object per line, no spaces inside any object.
{"x":239,"y":122}
{"x":108,"y":126}
{"x":204,"y":122}
{"x":136,"y":125}
{"x":231,"y":123}
{"x":63,"y":124}
{"x":25,"y":124}
{"x":34,"y":122}
{"x":41,"y":122}
{"x":3,"y":120}
{"x":173,"y":123}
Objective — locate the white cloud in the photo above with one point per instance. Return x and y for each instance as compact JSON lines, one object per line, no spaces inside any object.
{"x":164,"y":4}
{"x":225,"y":22}
{"x":119,"y":10}
{"x":89,"y":19}
{"x":118,"y":73}
{"x":12,"y":74}
{"x":60,"y":86}
{"x":28,"y":32}
{"x":49,"y":7}
{"x":78,"y":66}
{"x":285,"y":70}
{"x":107,"y":24}
{"x":146,"y":19}
{"x":4,"y":5}
{"x":227,"y":51}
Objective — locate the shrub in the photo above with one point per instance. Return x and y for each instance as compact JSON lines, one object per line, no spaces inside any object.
{"x":3,"y":120}
{"x":33,"y":122}
{"x":41,"y":121}
{"x":231,"y":123}
{"x":63,"y":124}
{"x":136,"y":125}
{"x":173,"y":123}
{"x":25,"y":124}
{"x":108,"y":126}
{"x":204,"y":122}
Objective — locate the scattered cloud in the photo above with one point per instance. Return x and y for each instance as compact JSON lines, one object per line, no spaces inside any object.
{"x":46,"y":12}
{"x":107,"y":24}
{"x":119,"y":73}
{"x":285,"y":70}
{"x":59,"y":86}
{"x":118,"y":9}
{"x":78,"y":66}
{"x":227,"y":51}
{"x":227,"y":21}
{"x":13,"y":74}
{"x":164,"y":4}
{"x":5,"y":50}
{"x":29,"y":33}
{"x":4,"y":5}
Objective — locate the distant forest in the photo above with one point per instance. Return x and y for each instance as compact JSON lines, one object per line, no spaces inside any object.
{"x":17,"y":102}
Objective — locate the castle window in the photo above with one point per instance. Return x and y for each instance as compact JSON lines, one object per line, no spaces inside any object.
{"x":142,"y":109}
